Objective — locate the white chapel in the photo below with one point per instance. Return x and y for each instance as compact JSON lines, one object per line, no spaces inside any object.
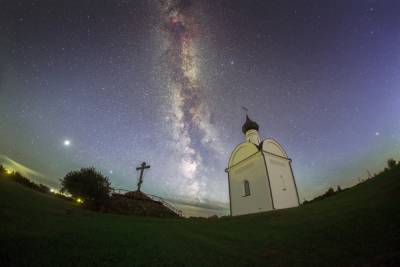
{"x":260,"y":175}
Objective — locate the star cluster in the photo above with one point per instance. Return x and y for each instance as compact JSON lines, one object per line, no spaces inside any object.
{"x":116,"y":83}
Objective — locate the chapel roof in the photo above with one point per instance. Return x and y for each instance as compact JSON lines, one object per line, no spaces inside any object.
{"x":249,"y":125}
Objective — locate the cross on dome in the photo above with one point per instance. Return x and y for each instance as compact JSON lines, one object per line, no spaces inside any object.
{"x":249,"y":125}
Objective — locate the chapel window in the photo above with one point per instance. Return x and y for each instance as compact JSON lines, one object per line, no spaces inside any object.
{"x":283,"y":183}
{"x":246,"y":188}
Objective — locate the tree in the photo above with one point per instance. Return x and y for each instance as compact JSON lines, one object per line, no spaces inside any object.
{"x":391,"y":164}
{"x":330,"y":192}
{"x":2,"y":169}
{"x":89,"y":184}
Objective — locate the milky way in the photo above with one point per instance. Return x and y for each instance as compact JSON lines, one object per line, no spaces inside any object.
{"x":190,"y":113}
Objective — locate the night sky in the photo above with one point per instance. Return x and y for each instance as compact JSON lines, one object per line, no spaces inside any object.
{"x":110,"y":84}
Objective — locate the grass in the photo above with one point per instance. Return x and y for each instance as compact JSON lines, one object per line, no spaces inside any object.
{"x":359,"y":227}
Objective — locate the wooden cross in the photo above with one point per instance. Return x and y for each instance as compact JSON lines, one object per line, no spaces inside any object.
{"x":142,"y":167}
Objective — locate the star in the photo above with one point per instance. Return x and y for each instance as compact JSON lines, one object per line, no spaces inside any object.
{"x":67,"y":142}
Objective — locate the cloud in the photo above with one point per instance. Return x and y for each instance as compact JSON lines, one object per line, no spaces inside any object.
{"x":18,"y":167}
{"x":205,"y":208}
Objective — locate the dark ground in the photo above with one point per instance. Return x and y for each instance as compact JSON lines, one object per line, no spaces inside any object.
{"x":358,"y":227}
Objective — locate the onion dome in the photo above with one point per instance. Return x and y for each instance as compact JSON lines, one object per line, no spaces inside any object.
{"x":249,"y":125}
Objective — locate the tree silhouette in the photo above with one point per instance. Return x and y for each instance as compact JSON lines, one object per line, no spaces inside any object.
{"x":330,"y":192}
{"x":391,"y":164}
{"x":89,"y":184}
{"x":2,"y":169}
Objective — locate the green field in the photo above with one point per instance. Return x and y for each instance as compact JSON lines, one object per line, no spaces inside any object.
{"x":358,"y":227}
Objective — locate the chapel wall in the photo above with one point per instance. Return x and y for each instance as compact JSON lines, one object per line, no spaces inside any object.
{"x":282,"y":182}
{"x":254,"y":171}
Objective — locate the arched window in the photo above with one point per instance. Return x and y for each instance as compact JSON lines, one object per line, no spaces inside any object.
{"x":283,"y":183}
{"x":246,"y":188}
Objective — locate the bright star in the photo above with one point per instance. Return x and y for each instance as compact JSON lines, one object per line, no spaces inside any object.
{"x":67,"y":142}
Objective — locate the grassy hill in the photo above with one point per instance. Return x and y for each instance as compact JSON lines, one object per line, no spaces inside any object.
{"x":359,"y":227}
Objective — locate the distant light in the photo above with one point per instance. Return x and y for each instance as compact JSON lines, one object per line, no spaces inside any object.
{"x":79,"y":200}
{"x":9,"y":171}
{"x":377,"y":133}
{"x":111,"y":172}
{"x":67,"y":142}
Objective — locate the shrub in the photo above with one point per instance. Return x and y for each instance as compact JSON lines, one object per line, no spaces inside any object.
{"x":44,"y":189}
{"x":329,"y":193}
{"x":17,"y":177}
{"x":391,"y":164}
{"x":89,"y":184}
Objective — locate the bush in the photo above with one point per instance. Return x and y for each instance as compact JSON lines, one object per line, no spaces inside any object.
{"x":89,"y":184}
{"x":17,"y":177}
{"x":2,"y":169}
{"x":329,"y":193}
{"x":391,"y":164}
{"x":44,"y":189}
